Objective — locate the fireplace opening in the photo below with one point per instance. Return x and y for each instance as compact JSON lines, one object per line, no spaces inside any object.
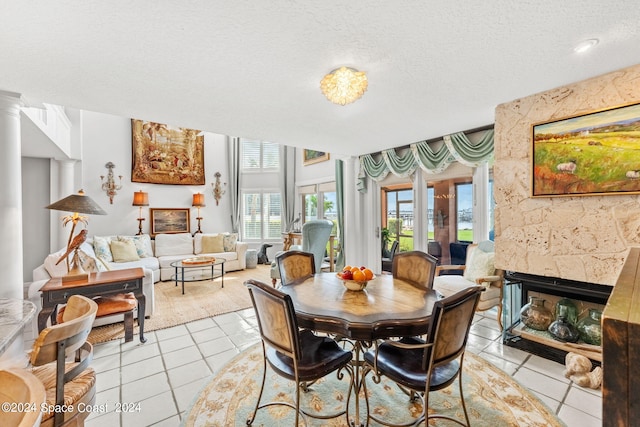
{"x":519,"y":287}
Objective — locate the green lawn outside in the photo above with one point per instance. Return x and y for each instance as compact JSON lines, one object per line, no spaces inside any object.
{"x":406,"y":242}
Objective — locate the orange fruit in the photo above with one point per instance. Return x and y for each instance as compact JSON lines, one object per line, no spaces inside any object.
{"x":354,"y":269}
{"x":359,"y":276}
{"x":368,"y":274}
{"x":346,"y":267}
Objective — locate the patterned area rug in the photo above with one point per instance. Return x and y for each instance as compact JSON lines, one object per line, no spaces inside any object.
{"x":200,"y":300}
{"x":493,"y":398}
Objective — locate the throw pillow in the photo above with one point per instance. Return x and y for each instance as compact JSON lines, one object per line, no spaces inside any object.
{"x":142,"y":244}
{"x":87,"y":262}
{"x":213,"y":244}
{"x":102,"y":249}
{"x":480,"y":264}
{"x":90,"y":264}
{"x":124,"y":251}
{"x":229,"y":241}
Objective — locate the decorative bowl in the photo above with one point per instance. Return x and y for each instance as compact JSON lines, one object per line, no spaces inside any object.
{"x":198,"y":260}
{"x":354,"y":285}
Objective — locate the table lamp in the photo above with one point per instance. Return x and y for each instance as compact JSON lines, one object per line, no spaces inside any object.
{"x":198,"y":202}
{"x":140,"y":199}
{"x":78,"y":204}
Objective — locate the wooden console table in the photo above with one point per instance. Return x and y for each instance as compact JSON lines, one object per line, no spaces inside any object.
{"x":105,"y":283}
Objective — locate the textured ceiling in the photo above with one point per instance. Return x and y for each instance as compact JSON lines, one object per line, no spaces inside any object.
{"x":252,"y":69}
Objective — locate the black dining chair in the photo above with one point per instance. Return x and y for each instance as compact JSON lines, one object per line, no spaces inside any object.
{"x":387,"y":261}
{"x":422,"y":366}
{"x":297,"y":355}
{"x":415,"y":267}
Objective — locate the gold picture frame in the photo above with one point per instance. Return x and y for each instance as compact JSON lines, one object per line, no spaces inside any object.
{"x":310,"y":157}
{"x":169,"y":221}
{"x":162,"y":154}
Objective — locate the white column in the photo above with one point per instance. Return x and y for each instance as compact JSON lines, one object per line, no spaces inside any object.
{"x":10,"y":196}
{"x":11,"y":245}
{"x":420,"y":216}
{"x":350,"y":212}
{"x":481,"y":203}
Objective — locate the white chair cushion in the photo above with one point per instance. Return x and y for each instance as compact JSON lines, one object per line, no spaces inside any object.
{"x":448,"y":285}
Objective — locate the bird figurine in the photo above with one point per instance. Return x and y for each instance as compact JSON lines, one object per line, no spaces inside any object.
{"x":75,"y":243}
{"x":294,"y":225}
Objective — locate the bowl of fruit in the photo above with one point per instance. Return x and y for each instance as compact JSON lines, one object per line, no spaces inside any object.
{"x":354,"y":278}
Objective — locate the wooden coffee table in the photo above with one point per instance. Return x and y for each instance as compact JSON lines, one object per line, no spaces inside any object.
{"x":104,"y":283}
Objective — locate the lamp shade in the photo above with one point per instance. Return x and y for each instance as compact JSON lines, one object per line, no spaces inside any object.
{"x":140,"y":198}
{"x":198,"y":200}
{"x":79,"y":203}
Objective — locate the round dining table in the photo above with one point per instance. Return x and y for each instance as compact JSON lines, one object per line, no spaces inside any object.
{"x":387,"y":307}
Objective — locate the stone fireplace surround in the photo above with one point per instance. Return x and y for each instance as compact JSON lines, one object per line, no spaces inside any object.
{"x":583,"y":239}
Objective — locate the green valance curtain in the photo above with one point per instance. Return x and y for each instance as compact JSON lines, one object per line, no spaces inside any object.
{"x":456,"y":147}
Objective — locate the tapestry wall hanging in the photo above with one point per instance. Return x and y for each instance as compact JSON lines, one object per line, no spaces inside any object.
{"x":591,"y":154}
{"x":163,"y":154}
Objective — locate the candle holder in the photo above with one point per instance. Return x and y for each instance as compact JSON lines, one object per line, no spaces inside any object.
{"x":110,"y":186}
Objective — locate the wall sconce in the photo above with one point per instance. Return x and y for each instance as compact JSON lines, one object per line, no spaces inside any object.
{"x":110,"y":186}
{"x":218,"y":192}
{"x":140,"y":199}
{"x":198,"y":202}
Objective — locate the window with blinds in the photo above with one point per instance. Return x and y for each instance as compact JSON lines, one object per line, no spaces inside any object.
{"x":260,"y":156}
{"x":261,"y":215}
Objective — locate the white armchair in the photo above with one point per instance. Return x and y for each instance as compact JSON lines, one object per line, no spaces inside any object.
{"x":479,"y":269}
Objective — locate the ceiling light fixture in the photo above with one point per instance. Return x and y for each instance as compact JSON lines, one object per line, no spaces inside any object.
{"x":344,"y":85}
{"x":585,"y":45}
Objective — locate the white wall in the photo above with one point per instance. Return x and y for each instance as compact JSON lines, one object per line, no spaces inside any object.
{"x":107,"y":138}
{"x":35,"y":219}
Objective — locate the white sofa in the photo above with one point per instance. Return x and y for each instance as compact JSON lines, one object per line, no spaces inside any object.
{"x":155,"y":259}
{"x":49,"y":269}
{"x":176,"y":247}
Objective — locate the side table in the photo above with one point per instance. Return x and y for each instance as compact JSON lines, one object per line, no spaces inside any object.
{"x":252,"y":258}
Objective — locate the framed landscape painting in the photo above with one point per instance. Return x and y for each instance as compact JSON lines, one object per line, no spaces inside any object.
{"x":311,"y":156}
{"x":169,"y":221}
{"x":592,"y":154}
{"x":163,"y":154}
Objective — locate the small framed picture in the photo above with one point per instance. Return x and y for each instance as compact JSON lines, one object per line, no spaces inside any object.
{"x":311,"y":156}
{"x":169,"y":221}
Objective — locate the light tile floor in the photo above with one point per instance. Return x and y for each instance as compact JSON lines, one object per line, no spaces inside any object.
{"x":158,"y":380}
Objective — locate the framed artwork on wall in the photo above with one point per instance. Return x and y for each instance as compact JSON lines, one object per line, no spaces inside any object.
{"x":162,"y":154}
{"x":310,"y":157}
{"x":169,"y":221}
{"x":591,"y":154}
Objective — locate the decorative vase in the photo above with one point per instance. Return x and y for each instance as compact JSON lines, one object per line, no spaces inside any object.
{"x":535,"y":315}
{"x":591,"y":328}
{"x":571,"y":311}
{"x":561,"y":328}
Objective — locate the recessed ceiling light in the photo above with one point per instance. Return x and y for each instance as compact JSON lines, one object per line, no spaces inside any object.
{"x":584,"y":46}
